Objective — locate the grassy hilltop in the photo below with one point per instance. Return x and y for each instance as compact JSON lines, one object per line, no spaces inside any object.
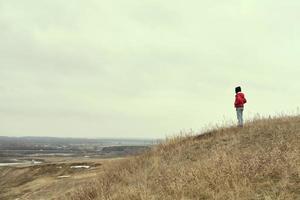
{"x":259,"y":161}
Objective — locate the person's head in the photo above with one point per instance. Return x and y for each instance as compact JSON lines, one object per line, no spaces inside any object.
{"x":238,"y":89}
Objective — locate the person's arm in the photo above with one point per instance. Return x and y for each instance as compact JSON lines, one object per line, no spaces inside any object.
{"x":245,"y":100}
{"x":235,"y":101}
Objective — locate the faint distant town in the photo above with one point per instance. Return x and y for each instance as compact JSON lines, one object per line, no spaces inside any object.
{"x":18,"y":150}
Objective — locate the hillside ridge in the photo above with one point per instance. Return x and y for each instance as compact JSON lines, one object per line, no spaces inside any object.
{"x":259,"y":161}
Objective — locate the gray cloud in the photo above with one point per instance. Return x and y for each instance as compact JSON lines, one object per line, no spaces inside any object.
{"x":142,"y":68}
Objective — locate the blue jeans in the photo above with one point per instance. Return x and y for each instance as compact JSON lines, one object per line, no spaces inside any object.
{"x":239,"y":114}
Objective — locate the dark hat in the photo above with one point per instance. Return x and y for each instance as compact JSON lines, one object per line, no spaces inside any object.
{"x":238,"y":89}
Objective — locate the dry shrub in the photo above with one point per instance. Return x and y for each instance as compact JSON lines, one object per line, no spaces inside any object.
{"x":259,"y":161}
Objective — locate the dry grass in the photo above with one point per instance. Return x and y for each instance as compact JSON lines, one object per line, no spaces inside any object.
{"x":40,"y":182}
{"x":259,"y":161}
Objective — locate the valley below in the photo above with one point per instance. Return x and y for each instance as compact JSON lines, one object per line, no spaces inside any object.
{"x":53,"y":168}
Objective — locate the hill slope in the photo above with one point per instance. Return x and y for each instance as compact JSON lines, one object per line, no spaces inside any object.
{"x":259,"y":161}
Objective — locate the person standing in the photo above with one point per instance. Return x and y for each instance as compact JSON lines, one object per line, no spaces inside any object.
{"x":239,"y":102}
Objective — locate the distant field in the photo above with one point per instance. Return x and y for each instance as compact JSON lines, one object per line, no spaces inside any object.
{"x":53,"y":168}
{"x":52,"y":180}
{"x":25,"y":148}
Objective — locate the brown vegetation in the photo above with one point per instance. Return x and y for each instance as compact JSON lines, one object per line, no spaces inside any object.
{"x":259,"y":161}
{"x":48,"y":180}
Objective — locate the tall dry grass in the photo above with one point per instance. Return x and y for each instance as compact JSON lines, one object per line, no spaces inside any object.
{"x":259,"y":161}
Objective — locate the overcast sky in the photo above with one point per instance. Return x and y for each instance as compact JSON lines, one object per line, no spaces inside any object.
{"x":143,"y":68}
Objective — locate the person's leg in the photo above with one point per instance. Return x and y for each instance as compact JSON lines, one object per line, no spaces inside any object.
{"x":242,"y":120}
{"x":238,"y":116}
{"x":239,"y":113}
